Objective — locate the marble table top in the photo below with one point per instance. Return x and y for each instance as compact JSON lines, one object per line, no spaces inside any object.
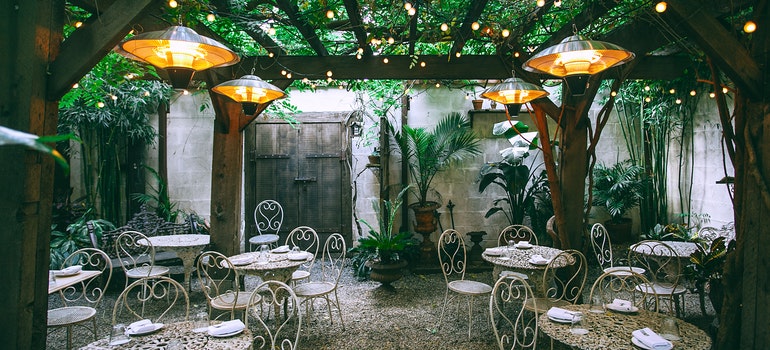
{"x":181,"y":331}
{"x":519,"y":258}
{"x":682,"y":249}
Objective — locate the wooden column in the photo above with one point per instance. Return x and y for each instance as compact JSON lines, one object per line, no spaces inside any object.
{"x":31,"y":33}
{"x":226,"y":176}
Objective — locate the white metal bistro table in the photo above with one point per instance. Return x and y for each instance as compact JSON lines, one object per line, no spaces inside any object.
{"x":681,"y":249}
{"x":181,"y":331}
{"x":187,"y":247}
{"x":517,"y":260}
{"x":63,"y":282}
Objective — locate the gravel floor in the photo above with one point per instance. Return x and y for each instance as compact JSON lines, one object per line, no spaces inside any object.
{"x":402,"y":317}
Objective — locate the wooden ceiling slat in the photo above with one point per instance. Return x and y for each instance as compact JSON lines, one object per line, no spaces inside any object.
{"x":719,"y":44}
{"x":354,"y":15}
{"x":291,"y":10}
{"x":253,"y":31}
{"x":437,"y":67}
{"x":90,"y":43}
{"x":465,"y":32}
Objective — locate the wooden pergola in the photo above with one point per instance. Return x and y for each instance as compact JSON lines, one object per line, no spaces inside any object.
{"x":39,"y":68}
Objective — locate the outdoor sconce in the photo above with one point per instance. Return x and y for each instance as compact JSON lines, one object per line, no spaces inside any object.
{"x":249,"y":90}
{"x":356,"y":129}
{"x":180,"y":51}
{"x":514,"y":92}
{"x":575,"y":58}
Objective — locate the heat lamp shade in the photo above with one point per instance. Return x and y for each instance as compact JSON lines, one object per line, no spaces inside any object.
{"x":177,"y":47}
{"x":249,"y":89}
{"x":577,"y":55}
{"x":514,"y":90}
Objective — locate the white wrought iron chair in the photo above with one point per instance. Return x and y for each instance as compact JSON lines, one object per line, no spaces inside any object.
{"x":278,"y":333}
{"x":82,"y":299}
{"x":602,"y":247}
{"x":516,"y":233}
{"x":307,"y":240}
{"x":514,"y":329}
{"x":221,"y":285}
{"x":664,"y":268}
{"x":610,"y":286}
{"x":452,"y":256}
{"x":563,"y":281}
{"x":150,"y":298}
{"x":137,"y":260}
{"x":268,"y":217}
{"x":332,"y":263}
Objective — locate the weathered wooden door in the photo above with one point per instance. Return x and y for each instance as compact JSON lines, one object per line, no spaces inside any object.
{"x":305,"y":168}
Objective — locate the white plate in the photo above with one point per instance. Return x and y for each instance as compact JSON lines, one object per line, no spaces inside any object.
{"x":621,"y":269}
{"x":559,"y":320}
{"x":503,"y":258}
{"x":297,"y":256}
{"x":638,"y":343}
{"x":70,"y":271}
{"x":624,"y":310}
{"x":524,"y":247}
{"x":227,"y":334}
{"x":493,"y":252}
{"x":155,"y":328}
{"x":539,"y":263}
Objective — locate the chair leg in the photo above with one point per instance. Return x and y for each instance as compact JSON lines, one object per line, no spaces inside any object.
{"x":443,"y":308}
{"x":470,"y":316}
{"x":69,"y":337}
{"x":339,"y":309}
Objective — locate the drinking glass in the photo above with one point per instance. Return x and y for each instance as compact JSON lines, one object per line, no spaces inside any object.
{"x":263,"y":254}
{"x":201,"y":322}
{"x":669,"y":329}
{"x":596,"y":305}
{"x":295,"y":250}
{"x":576,"y":326}
{"x":118,"y":335}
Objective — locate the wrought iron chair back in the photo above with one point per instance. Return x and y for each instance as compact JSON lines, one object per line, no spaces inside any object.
{"x":307,"y":240}
{"x":516,"y":233}
{"x":513,"y":327}
{"x":220,"y":284}
{"x":151,"y":298}
{"x":268,"y":217}
{"x":565,"y":276}
{"x":278,"y":332}
{"x":610,"y":286}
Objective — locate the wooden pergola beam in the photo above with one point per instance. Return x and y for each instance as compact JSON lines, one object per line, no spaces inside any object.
{"x":719,"y":44}
{"x":291,"y":10}
{"x":90,"y":43}
{"x":465,"y":32}
{"x":354,"y":15}
{"x":437,"y":67}
{"x":253,"y":31}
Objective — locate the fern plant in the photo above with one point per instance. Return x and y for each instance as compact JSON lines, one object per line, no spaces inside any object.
{"x":618,"y":188}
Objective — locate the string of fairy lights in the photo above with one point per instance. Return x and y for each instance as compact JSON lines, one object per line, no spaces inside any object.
{"x":660,"y":7}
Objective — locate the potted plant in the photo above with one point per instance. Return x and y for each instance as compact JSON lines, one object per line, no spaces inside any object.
{"x":705,"y":269}
{"x":618,"y":189}
{"x":477,"y":102}
{"x":381,"y":251}
{"x":429,"y":152}
{"x":374,"y":157}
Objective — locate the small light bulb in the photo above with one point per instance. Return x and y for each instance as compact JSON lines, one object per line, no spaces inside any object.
{"x":438,"y":85}
{"x":329,"y":79}
{"x":475,"y":25}
{"x":540,"y":3}
{"x":692,"y":93}
{"x":339,"y":87}
{"x":146,"y":93}
{"x":678,"y":101}
{"x":211,"y":17}
{"x":672,"y":91}
{"x":329,"y":73}
{"x":100,"y":104}
{"x":712,"y":95}
{"x":330,"y":14}
{"x":505,"y":33}
{"x":458,"y":54}
{"x":271,"y":31}
{"x":78,"y":24}
{"x":516,"y":54}
{"x":305,"y":80}
{"x":407,"y":6}
{"x":614,"y":93}
{"x":114,"y":98}
{"x":725,"y":90}
{"x":283,"y":72}
{"x":557,"y":3}
{"x":422,"y":64}
{"x":391,"y":40}
{"x":412,"y":11}
{"x":270,"y":54}
{"x":647,"y":99}
{"x":646,"y":88}
{"x":749,"y":27}
{"x":385,"y":60}
{"x":661,"y":7}
{"x":360,"y":50}
{"x":172,"y":4}
{"x":288,"y":75}
{"x":75,"y":86}
{"x":444,"y":27}
{"x":358,"y":56}
{"x":467,"y":97}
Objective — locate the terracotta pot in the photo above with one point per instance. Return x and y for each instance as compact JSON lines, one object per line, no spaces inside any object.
{"x":619,"y":231}
{"x":386,"y":273}
{"x":425,"y":221}
{"x":477,"y":104}
{"x":374,"y":159}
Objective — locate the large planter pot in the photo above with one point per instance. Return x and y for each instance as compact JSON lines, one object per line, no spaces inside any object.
{"x":425,"y":224}
{"x":620,"y":231}
{"x":386,"y":273}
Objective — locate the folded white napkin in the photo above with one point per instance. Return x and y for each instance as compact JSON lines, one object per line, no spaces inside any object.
{"x":136,"y":326}
{"x":281,"y":249}
{"x":563,"y":314}
{"x":523,"y":244}
{"x":242,"y":260}
{"x":651,"y":339}
{"x":227,"y":327}
{"x":69,"y":270}
{"x":297,"y":256}
{"x":621,"y":305}
{"x":494,"y":251}
{"x":538,"y":259}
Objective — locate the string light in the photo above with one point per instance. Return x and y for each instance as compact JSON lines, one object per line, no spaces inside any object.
{"x":661,"y":7}
{"x":438,"y":85}
{"x":422,"y":64}
{"x":185,"y":92}
{"x":646,"y":88}
{"x":283,"y":72}
{"x":288,"y":75}
{"x":557,"y":3}
{"x":678,"y":101}
{"x":270,"y":54}
{"x":412,"y":11}
{"x":647,"y":99}
{"x":444,"y":27}
{"x":329,"y":79}
{"x":75,"y":86}
{"x":725,"y":90}
{"x":305,"y":80}
{"x":475,"y":25}
{"x":391,"y":40}
{"x":271,"y":31}
{"x":78,"y":24}
{"x":458,"y":54}
{"x":749,"y":27}
{"x":516,"y":54}
{"x":100,"y":104}
{"x":407,"y":6}
{"x":172,"y":4}
{"x":692,"y":93}
{"x":540,"y":3}
{"x":672,"y":91}
{"x":505,"y":33}
{"x":330,"y":14}
{"x":358,"y":56}
{"x":467,"y":97}
{"x":712,"y":95}
{"x":211,"y":17}
{"x":385,"y":60}
{"x":329,"y":73}
{"x":146,"y":93}
{"x":614,"y":93}
{"x":113,"y":97}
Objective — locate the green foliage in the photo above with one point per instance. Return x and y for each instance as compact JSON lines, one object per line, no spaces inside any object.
{"x":429,"y":152}
{"x":159,"y":199}
{"x":672,"y":232}
{"x":523,"y":188}
{"x":76,"y":236}
{"x":618,"y":188}
{"x":707,"y":267}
